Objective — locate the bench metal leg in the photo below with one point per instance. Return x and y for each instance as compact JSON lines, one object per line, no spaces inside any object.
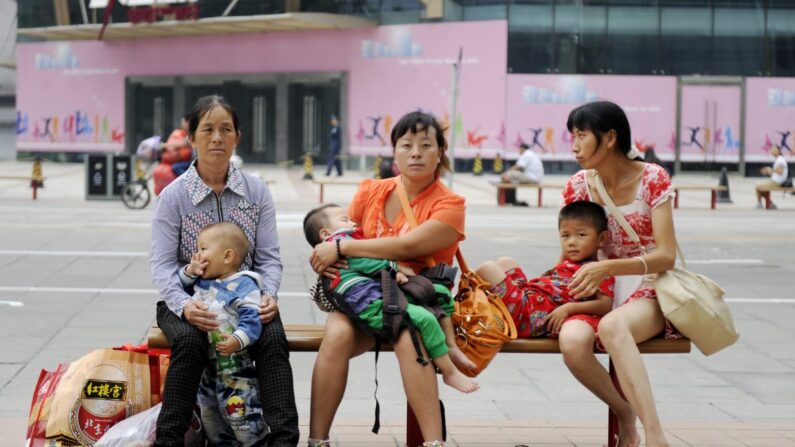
{"x":540,"y":197}
{"x":35,"y":189}
{"x":612,"y":419}
{"x":768,"y":202}
{"x":676,"y":198}
{"x":501,"y":197}
{"x":321,"y":193}
{"x":413,"y":432}
{"x":713,"y":199}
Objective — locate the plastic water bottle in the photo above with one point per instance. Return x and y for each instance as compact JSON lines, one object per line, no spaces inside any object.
{"x":226,"y":325}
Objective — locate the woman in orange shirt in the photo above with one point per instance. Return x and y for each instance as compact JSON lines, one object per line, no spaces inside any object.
{"x":419,"y":149}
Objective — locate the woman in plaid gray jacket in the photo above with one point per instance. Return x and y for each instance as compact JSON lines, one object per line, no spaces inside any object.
{"x":213,"y":190}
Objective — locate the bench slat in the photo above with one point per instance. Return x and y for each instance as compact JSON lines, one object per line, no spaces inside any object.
{"x":307,"y":338}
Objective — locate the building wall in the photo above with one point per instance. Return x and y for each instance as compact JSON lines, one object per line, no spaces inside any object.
{"x":71,"y":94}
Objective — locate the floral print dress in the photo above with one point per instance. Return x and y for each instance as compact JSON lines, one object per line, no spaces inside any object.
{"x":653,"y":190}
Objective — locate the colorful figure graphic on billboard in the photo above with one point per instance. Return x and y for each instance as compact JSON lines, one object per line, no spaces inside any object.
{"x":376,"y":133}
{"x":718,"y":136}
{"x":731,"y":143}
{"x":387,"y":124}
{"x":502,"y":135}
{"x":784,"y":137}
{"x":694,"y":137}
{"x":549,"y":140}
{"x":535,"y":142}
{"x":474,"y":139}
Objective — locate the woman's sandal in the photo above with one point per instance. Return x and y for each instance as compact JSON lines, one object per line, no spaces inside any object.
{"x":318,"y":442}
{"x":433,"y":444}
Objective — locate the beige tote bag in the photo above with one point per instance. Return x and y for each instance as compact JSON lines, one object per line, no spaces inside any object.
{"x":690,"y":301}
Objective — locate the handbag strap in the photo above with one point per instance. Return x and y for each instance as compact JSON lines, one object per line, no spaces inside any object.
{"x":621,"y":219}
{"x":412,"y":221}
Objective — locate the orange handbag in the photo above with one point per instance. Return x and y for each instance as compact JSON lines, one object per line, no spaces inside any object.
{"x":482,"y":322}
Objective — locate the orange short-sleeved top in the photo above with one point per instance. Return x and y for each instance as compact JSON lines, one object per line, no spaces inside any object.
{"x":435,"y":203}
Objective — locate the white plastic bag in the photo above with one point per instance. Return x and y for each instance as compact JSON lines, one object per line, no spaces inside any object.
{"x":135,"y":431}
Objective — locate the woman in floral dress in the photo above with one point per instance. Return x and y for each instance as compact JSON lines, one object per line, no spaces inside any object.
{"x":642,"y":192}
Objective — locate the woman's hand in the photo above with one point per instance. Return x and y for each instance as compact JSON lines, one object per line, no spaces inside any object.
{"x":323,"y":256}
{"x":267,"y":308}
{"x":588,"y":278}
{"x":197,"y":314}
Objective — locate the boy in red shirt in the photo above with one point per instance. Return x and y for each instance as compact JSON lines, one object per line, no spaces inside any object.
{"x":540,"y":306}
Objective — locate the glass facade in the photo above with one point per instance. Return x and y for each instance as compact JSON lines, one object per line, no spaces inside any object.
{"x":673,"y":37}
{"x":655,"y":37}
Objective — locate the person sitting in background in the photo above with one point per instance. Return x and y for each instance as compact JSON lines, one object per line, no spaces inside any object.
{"x":779,"y":175}
{"x":177,"y":150}
{"x":527,"y":169}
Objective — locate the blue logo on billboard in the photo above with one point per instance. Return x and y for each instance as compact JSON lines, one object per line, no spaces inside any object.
{"x":62,"y":59}
{"x":572,"y":90}
{"x":777,"y":97}
{"x":401,"y":44}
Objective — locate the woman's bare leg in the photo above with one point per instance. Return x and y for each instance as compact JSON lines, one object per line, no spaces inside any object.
{"x":342,"y":341}
{"x":576,"y":344}
{"x":620,"y":331}
{"x":421,"y":387}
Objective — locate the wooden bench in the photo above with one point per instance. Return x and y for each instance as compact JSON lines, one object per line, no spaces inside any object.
{"x":333,"y":181}
{"x":765,"y":190}
{"x":503,"y":186}
{"x":307,"y":338}
{"x":35,"y":181}
{"x":713,"y":189}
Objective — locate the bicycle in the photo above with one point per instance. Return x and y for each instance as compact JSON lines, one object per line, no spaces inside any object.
{"x":136,"y":194}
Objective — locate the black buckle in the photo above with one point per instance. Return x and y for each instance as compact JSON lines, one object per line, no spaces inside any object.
{"x":392,"y":309}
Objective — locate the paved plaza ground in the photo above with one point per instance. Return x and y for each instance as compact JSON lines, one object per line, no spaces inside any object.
{"x":74,"y":277}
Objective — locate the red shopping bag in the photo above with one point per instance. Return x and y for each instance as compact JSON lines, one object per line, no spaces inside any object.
{"x":40,"y":405}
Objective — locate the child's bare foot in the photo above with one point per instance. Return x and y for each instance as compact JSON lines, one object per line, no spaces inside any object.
{"x":460,"y":360}
{"x":459,"y":381}
{"x":628,"y":435}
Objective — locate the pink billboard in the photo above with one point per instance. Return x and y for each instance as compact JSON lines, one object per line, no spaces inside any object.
{"x":70,"y":95}
{"x":710,"y":123}
{"x":405,"y":68}
{"x":539,"y":105}
{"x":769,"y":118}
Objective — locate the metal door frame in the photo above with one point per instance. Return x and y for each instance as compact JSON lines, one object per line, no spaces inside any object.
{"x":729,"y":81}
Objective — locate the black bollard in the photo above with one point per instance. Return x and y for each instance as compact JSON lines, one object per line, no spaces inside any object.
{"x":724,"y":196}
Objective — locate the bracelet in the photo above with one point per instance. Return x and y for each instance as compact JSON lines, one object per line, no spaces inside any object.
{"x":185,"y":270}
{"x":339,"y":250}
{"x":645,"y":266}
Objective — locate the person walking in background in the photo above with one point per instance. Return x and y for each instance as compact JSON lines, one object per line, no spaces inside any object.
{"x":779,"y":174}
{"x":335,"y":146}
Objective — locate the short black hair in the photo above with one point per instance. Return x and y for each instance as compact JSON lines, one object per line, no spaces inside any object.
{"x":414,"y":122}
{"x":601,"y":117}
{"x":232,"y":237}
{"x":204,"y":105}
{"x":316,"y":220}
{"x":585,"y":210}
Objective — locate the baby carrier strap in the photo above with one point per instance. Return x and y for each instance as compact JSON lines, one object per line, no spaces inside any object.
{"x":424,"y":294}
